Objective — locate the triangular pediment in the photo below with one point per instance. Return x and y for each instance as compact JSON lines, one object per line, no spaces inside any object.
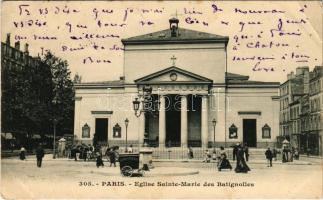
{"x":173,"y":75}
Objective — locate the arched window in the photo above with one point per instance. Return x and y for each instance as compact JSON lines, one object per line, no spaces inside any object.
{"x":266,"y":132}
{"x":233,"y":132}
{"x":117,"y":131}
{"x":86,"y":131}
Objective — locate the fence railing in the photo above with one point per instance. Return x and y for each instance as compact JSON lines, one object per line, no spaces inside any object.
{"x":199,"y":153}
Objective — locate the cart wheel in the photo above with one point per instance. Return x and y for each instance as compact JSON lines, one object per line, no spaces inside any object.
{"x":126,"y":171}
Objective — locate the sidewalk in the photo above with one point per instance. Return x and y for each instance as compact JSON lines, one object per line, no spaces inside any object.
{"x":16,"y":152}
{"x":49,"y":157}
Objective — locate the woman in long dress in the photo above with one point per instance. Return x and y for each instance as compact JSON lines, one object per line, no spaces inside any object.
{"x":223,"y":161}
{"x":241,"y":166}
{"x":22,"y":154}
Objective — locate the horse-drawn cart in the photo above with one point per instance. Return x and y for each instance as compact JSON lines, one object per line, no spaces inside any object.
{"x":129,"y":164}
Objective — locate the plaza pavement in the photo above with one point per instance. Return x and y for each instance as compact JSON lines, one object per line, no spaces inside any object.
{"x":61,"y":178}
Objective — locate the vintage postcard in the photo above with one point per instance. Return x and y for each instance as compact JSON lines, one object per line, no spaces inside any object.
{"x":161,"y":99}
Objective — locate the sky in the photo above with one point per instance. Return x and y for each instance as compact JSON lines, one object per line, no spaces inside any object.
{"x":290,"y":33}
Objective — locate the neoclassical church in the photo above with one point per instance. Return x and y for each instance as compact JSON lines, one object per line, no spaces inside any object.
{"x":176,"y":92}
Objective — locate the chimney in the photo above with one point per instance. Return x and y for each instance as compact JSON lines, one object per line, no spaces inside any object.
{"x":8,"y":39}
{"x":26,"y":48}
{"x":291,"y":75}
{"x":17,"y":45}
{"x":173,"y":25}
{"x":301,"y":70}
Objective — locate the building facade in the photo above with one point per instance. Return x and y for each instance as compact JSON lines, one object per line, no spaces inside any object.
{"x":301,"y":110}
{"x":199,"y":103}
{"x":316,"y":111}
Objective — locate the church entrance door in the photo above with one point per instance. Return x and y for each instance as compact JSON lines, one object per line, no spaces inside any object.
{"x":250,"y":132}
{"x":173,"y":121}
{"x":101,"y":130}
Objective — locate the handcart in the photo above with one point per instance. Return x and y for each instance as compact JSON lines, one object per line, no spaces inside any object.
{"x":129,"y":164}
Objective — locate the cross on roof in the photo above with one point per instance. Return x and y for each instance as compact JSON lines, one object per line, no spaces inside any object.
{"x":176,"y":14}
{"x":173,"y":58}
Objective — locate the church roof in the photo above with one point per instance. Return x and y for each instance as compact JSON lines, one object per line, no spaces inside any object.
{"x":184,"y":35}
{"x":238,"y":79}
{"x":232,"y":76}
{"x":114,"y":83}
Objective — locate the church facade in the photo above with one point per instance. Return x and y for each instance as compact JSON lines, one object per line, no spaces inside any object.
{"x":192,"y":101}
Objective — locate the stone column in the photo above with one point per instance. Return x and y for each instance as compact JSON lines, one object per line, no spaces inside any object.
{"x":204,"y":121}
{"x":184,"y":121}
{"x":162,"y":122}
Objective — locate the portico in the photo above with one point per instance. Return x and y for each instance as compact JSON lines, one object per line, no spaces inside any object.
{"x":183,"y":113}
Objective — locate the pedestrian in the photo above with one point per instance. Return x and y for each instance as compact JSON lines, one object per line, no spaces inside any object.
{"x":190,"y":152}
{"x":241,"y":166}
{"x":107,"y":153}
{"x":39,"y":155}
{"x":223,"y":161}
{"x":246,"y":151}
{"x":214,"y":155}
{"x":269,"y":157}
{"x":85,"y":150}
{"x":75,"y":151}
{"x":80,"y":152}
{"x":207,"y":156}
{"x":290,"y":155}
{"x":112,"y":157}
{"x":99,"y":161}
{"x":285,"y":154}
{"x":130,"y":150}
{"x":235,"y":150}
{"x":22,"y":154}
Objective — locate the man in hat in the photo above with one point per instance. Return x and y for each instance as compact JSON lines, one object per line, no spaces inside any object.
{"x":269,"y":157}
{"x":39,"y":155}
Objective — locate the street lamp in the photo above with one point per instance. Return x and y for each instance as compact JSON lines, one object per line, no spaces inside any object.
{"x":136,"y":104}
{"x":54,"y":142}
{"x":214,"y":124}
{"x":126,"y":123}
{"x":148,"y":105}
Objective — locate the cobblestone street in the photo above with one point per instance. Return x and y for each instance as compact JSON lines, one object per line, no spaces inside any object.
{"x":63,"y":178}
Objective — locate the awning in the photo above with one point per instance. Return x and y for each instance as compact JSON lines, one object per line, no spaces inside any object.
{"x":7,"y":136}
{"x":285,"y":142}
{"x":36,"y":136}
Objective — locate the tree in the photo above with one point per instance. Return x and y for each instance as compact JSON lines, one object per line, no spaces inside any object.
{"x":62,"y":94}
{"x":25,"y":84}
{"x":34,"y":91}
